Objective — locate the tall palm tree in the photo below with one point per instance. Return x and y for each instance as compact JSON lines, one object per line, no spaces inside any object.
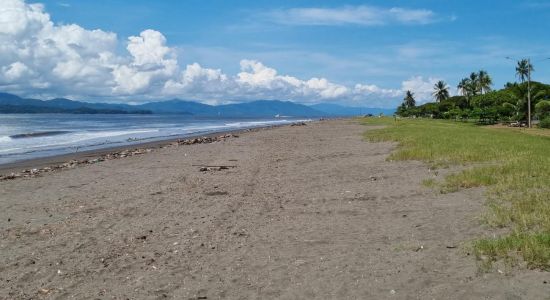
{"x":474,"y":85}
{"x":485,"y":81}
{"x":409,"y":100}
{"x":464,"y":87}
{"x":523,"y":68}
{"x":441,"y":91}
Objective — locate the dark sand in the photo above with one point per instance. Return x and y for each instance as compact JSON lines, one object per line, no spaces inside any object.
{"x":309,"y":212}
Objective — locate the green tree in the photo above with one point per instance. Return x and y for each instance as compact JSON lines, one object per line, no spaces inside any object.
{"x":523,"y":68}
{"x":473,"y":84}
{"x":409,"y":100}
{"x":441,"y":91}
{"x":484,"y":81}
{"x":543,"y":109}
{"x":507,"y":111}
{"x":464,"y":87}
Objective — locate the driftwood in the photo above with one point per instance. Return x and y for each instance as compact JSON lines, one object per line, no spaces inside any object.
{"x":210,"y":166}
{"x":204,"y":168}
{"x":34,"y":172}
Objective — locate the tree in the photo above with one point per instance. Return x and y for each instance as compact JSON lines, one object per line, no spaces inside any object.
{"x":484,"y":81}
{"x":510,"y":85}
{"x":409,"y":100}
{"x":523,"y":68}
{"x":543,"y":109}
{"x":473,"y":84}
{"x":441,"y":91}
{"x":463,"y":87}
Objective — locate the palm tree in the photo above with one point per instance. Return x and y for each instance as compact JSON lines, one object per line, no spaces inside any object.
{"x":474,"y":85}
{"x":441,"y":91}
{"x":463,"y":87}
{"x":485,"y":81}
{"x":523,"y":68}
{"x":409,"y":101}
{"x":509,"y":85}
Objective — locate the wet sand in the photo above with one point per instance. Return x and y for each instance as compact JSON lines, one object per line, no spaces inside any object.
{"x":309,"y":212}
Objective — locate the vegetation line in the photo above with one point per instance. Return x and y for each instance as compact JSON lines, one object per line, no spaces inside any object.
{"x":515,"y":168}
{"x":477,"y":100}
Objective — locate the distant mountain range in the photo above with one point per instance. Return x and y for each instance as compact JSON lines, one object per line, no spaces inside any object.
{"x":339,"y":110}
{"x":10,"y":103}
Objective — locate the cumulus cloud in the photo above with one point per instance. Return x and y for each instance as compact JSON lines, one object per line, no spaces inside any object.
{"x":351,"y":15}
{"x":36,"y":54}
{"x":152,"y":64}
{"x":371,"y":89}
{"x":40,"y":58}
{"x":255,"y":81}
{"x":256,"y":78}
{"x":422,"y":88}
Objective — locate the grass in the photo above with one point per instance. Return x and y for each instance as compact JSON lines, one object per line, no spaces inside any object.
{"x":513,"y":165}
{"x":532,"y":131}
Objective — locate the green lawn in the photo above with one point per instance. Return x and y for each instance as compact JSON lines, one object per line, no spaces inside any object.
{"x":513,"y":165}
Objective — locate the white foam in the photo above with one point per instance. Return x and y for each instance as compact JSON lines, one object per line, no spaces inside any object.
{"x":106,"y":134}
{"x":78,"y":137}
{"x":256,"y":123}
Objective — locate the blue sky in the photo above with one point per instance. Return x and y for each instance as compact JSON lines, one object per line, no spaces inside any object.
{"x":383,"y":46}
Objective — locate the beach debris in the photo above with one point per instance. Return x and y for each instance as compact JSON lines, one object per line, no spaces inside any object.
{"x":206,"y":139}
{"x":419,"y":248}
{"x":34,"y":172}
{"x":392,"y":292}
{"x":216,"y":193}
{"x":43,"y":291}
{"x":141,"y":237}
{"x":205,"y":168}
{"x":373,"y":178}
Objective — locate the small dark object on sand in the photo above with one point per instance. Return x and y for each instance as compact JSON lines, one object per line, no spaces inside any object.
{"x":205,"y":168}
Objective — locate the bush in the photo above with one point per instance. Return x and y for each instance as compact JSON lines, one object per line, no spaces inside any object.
{"x":545,"y":123}
{"x":543,"y":109}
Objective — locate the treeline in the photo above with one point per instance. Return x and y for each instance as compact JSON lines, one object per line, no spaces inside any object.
{"x":479,"y":102}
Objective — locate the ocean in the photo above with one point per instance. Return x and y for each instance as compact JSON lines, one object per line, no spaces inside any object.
{"x":27,"y":136}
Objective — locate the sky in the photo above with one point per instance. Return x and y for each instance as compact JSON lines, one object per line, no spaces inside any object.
{"x":356,"y":53}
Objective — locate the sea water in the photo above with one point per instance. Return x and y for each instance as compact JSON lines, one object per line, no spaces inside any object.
{"x":26,"y":136}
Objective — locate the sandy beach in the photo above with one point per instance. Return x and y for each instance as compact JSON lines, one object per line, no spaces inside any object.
{"x":302,"y":212}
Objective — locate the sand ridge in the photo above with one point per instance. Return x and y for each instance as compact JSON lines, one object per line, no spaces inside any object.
{"x":308,"y":212}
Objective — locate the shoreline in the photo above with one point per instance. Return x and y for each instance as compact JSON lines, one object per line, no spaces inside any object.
{"x":49,"y":161}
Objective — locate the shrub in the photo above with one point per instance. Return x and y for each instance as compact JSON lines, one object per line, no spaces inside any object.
{"x":543,"y":109}
{"x":545,"y":123}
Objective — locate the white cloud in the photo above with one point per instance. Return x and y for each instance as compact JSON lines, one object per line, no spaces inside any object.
{"x":259,"y":79}
{"x":39,"y":58}
{"x":255,"y":81}
{"x":15,"y":71}
{"x":351,"y":15}
{"x":423,"y":89}
{"x":361,"y":89}
{"x":152,"y":64}
{"x":203,"y":83}
{"x":36,"y":54}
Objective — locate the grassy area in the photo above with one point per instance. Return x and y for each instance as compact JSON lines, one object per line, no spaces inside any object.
{"x":513,"y":165}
